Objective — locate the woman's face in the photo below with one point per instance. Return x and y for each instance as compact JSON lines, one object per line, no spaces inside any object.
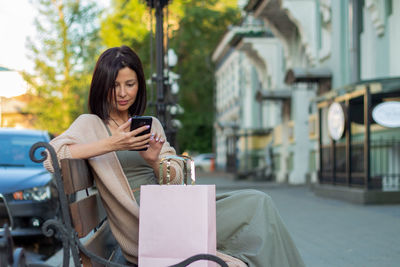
{"x":126,"y":89}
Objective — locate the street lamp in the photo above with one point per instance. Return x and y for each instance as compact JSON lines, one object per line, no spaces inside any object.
{"x":158,"y":5}
{"x":172,"y":58}
{"x":162,"y":79}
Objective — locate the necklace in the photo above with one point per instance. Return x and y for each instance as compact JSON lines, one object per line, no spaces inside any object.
{"x":114,"y":121}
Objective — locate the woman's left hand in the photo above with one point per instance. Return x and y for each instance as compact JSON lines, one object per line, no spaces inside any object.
{"x":153,"y":151}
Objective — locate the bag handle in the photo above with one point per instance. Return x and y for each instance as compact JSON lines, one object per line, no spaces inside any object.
{"x":198,"y":257}
{"x":187,"y":161}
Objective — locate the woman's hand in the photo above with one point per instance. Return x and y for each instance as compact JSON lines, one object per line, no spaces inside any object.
{"x":153,"y":151}
{"x":123,"y":139}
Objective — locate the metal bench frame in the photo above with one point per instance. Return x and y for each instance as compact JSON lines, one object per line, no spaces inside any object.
{"x":71,"y":243}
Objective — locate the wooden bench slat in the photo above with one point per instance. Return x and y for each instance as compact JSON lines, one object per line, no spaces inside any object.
{"x":77,"y":175}
{"x":86,"y":214}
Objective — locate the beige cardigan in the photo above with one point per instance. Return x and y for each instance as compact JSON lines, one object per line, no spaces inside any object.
{"x":118,"y":200}
{"x":117,"y":197}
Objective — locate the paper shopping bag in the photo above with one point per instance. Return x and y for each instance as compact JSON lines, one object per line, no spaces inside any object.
{"x":176,"y":222}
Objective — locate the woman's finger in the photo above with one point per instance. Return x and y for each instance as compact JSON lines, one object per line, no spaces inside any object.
{"x":137,"y":147}
{"x":139,"y":130}
{"x":140,"y":138}
{"x":157,"y":138}
{"x":125,"y":125}
{"x":136,"y":143}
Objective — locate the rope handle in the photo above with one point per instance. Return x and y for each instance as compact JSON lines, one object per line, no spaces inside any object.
{"x":187,"y":161}
{"x":207,"y":257}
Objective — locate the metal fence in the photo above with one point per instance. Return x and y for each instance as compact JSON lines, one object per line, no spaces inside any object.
{"x":385,"y":163}
{"x":384,"y":168}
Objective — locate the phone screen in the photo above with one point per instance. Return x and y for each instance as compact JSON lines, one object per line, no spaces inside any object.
{"x":139,"y":121}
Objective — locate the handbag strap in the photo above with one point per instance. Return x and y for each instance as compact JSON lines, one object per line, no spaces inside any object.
{"x":198,"y":257}
{"x":185,"y":159}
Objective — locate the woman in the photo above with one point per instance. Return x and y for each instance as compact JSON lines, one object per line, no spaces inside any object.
{"x":256,"y":236}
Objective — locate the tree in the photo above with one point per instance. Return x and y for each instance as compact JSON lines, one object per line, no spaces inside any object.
{"x":199,"y":32}
{"x":64,"y":55}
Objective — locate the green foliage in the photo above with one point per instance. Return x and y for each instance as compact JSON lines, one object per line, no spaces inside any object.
{"x":196,"y":27}
{"x":200,"y":30}
{"x":126,"y":24}
{"x":64,"y":55}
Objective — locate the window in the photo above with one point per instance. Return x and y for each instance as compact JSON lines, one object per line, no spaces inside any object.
{"x":290,"y":162}
{"x":389,"y":7}
{"x":276,"y":158}
{"x":312,"y":161}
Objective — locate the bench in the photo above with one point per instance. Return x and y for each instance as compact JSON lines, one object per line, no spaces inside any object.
{"x":10,"y":256}
{"x":83,"y":227}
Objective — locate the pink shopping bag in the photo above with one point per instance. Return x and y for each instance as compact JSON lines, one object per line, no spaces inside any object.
{"x":176,"y":222}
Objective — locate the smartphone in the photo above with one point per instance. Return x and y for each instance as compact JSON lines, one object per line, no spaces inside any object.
{"x":139,"y":121}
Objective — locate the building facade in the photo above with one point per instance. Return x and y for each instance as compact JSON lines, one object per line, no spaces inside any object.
{"x":243,"y":125}
{"x":330,"y":51}
{"x":13,"y":100}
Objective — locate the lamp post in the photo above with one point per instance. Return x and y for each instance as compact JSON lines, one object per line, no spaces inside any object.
{"x":158,"y":5}
{"x":162,"y":88}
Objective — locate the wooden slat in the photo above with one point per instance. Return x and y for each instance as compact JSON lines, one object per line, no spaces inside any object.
{"x":86,"y":214}
{"x":76,"y":174}
{"x":102,"y":243}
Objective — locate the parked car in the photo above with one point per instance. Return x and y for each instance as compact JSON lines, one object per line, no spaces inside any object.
{"x":27,"y":190}
{"x":204,"y":162}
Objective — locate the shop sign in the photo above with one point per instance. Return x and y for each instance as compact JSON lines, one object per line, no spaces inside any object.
{"x":336,"y":121}
{"x":387,"y":114}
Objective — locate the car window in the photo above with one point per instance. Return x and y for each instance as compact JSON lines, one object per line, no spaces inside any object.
{"x":14,"y":150}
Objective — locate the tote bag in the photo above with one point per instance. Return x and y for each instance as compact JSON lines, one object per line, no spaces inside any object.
{"x":176,"y":222}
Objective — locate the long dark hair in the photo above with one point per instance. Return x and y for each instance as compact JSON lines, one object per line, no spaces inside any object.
{"x":103,"y":81}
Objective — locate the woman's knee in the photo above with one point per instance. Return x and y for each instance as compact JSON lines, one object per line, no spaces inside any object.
{"x":255,"y":195}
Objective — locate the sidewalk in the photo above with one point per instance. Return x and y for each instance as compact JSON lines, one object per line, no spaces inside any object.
{"x":328,"y":232}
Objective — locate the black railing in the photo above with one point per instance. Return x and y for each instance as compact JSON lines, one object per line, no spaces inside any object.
{"x":385,"y":165}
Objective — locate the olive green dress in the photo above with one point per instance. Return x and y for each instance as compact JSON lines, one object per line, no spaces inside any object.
{"x":248,"y":224}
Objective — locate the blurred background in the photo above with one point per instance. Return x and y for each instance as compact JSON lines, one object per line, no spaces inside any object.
{"x":295,"y":92}
{"x":248,"y":81}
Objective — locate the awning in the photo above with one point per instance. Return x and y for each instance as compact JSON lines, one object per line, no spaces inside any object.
{"x":381,"y":90}
{"x":279,"y":21}
{"x":383,"y":86}
{"x":279,"y":95}
{"x":312,"y":75}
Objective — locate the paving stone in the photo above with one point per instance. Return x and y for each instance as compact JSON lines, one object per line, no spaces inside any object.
{"x":328,"y":232}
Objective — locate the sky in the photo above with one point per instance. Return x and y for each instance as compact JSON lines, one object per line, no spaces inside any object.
{"x":16,"y":24}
